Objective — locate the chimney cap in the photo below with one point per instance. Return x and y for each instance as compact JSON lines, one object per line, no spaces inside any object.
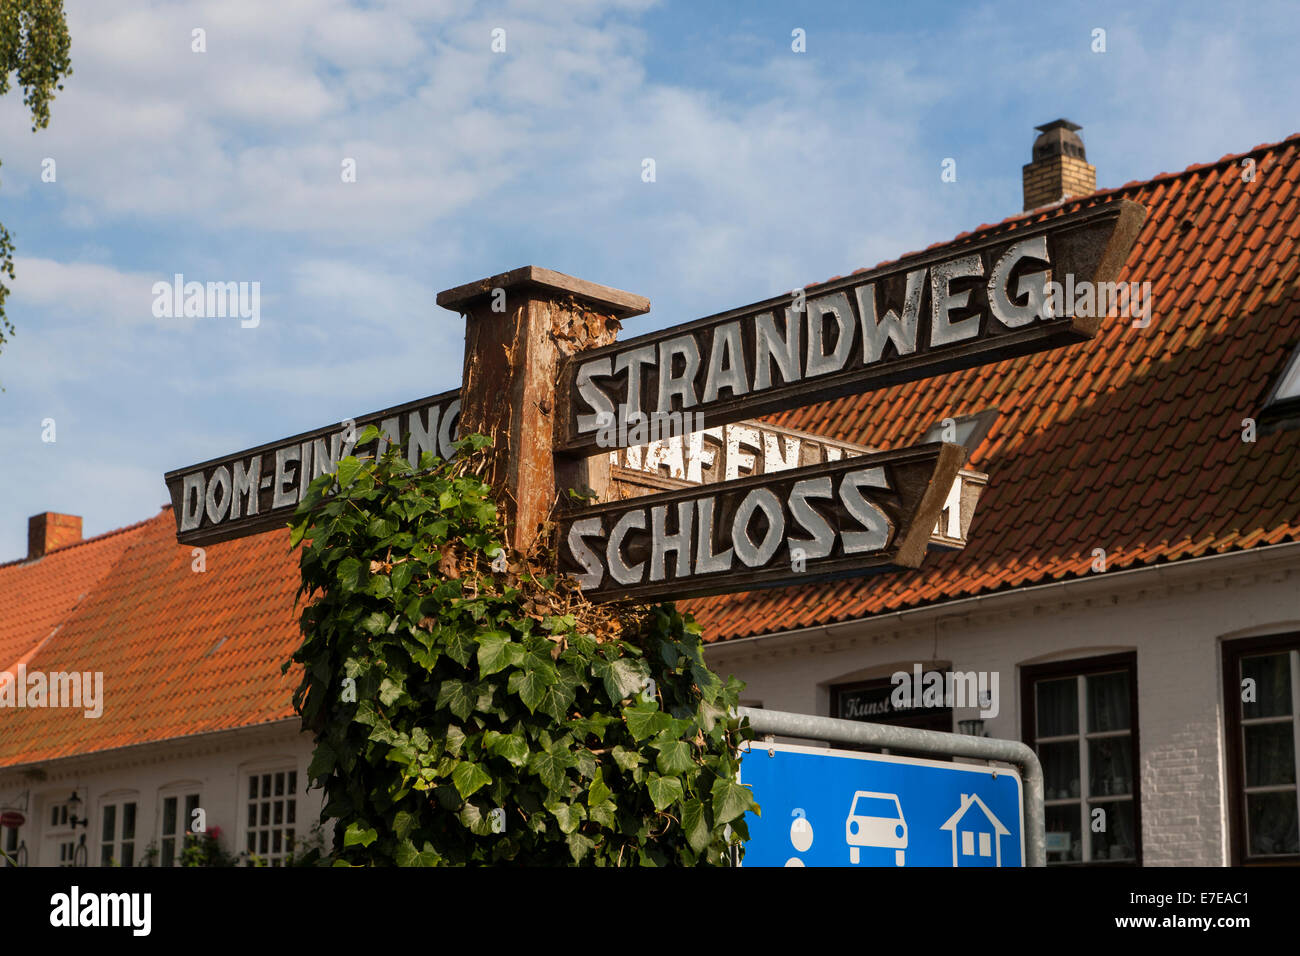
{"x":1059,"y":138}
{"x":1058,"y":124}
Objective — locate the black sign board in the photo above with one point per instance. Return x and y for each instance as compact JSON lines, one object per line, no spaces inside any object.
{"x":259,"y":489}
{"x":842,"y":518}
{"x":969,"y":302}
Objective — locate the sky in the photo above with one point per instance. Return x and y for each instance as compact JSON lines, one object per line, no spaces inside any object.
{"x":773,"y":168}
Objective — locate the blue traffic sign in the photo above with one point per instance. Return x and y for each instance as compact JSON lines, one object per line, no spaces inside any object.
{"x":842,"y":808}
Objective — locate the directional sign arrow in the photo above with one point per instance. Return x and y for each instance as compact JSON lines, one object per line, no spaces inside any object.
{"x":969,"y":302}
{"x":833,"y":520}
{"x":259,"y":489}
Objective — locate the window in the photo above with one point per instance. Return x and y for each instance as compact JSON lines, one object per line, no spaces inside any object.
{"x":117,"y":834}
{"x":11,"y":846}
{"x":1282,"y":404}
{"x":60,"y":833}
{"x":177,"y":815}
{"x":874,"y":701}
{"x":1081,"y":719}
{"x":1261,"y":708}
{"x":272,"y":813}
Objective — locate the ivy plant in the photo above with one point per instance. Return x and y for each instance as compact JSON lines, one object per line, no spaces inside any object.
{"x":469,"y":706}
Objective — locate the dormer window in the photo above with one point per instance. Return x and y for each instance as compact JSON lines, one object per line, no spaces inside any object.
{"x":1282,"y":407}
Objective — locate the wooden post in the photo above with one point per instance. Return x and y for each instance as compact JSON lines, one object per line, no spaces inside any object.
{"x":518,"y":326}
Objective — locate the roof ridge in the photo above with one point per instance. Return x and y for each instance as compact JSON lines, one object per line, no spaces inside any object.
{"x":1072,"y":202}
{"x":76,"y":544}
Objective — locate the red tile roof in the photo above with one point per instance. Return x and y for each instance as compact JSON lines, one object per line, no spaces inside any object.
{"x":36,"y":596}
{"x":1130,"y":442}
{"x":182,"y":652}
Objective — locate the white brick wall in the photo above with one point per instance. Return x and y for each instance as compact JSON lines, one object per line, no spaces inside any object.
{"x":1177,"y":637}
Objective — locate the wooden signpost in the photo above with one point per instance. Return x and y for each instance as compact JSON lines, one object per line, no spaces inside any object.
{"x":837,"y":511}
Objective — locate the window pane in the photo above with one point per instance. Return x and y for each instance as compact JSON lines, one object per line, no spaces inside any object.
{"x":279,"y":812}
{"x":128,"y":854}
{"x":110,"y":823}
{"x":1110,"y":766}
{"x":191,"y":804}
{"x":266,"y":784}
{"x":276,"y":837}
{"x":252,"y":788}
{"x":1108,"y":702}
{"x":291,"y":813}
{"x":128,"y":821}
{"x":1058,"y":707}
{"x":279,"y":784}
{"x":263,"y":840}
{"x":1065,"y":822}
{"x":1060,"y":769}
{"x":293,"y":780}
{"x":252,"y":814}
{"x":252,"y":842}
{"x":106,"y":855}
{"x":1273,"y":822}
{"x":1118,"y":839}
{"x":1270,"y":754}
{"x":1272,"y":676}
{"x":167,"y":856}
{"x":266,"y":814}
{"x":169,"y":817}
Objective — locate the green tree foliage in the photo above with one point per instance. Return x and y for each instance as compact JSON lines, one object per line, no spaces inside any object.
{"x":34,"y":45}
{"x":473,"y":708}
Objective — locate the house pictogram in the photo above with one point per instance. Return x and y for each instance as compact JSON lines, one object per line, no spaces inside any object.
{"x":981,"y":839}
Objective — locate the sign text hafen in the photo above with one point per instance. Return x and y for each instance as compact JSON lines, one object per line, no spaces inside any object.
{"x":757,"y":448}
{"x":874,"y":512}
{"x":968,"y":303}
{"x":260,"y":488}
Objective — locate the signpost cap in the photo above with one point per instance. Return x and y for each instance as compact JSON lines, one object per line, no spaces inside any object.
{"x":621,"y":304}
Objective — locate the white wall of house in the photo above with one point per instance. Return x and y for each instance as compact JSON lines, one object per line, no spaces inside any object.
{"x":1174,"y":617}
{"x":217,"y":767}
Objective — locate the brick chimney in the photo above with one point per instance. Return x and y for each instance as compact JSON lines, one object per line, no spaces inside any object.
{"x":50,"y":530}
{"x":1060,"y":168}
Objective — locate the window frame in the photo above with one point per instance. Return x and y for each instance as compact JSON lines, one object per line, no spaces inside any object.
{"x":181,"y":793}
{"x":1234,"y":751}
{"x":119,"y":802}
{"x":1278,"y":413}
{"x":1076,"y":667}
{"x":291,"y":772}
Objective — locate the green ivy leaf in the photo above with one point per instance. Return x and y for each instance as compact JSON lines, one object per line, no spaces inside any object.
{"x":675,"y":757}
{"x":509,"y":746}
{"x":644,"y":720}
{"x":357,"y":835}
{"x":550,"y":766}
{"x":664,"y":791}
{"x":730,"y":800}
{"x":695,"y":826}
{"x":496,"y":651}
{"x":457,"y":696}
{"x":469,"y":777}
